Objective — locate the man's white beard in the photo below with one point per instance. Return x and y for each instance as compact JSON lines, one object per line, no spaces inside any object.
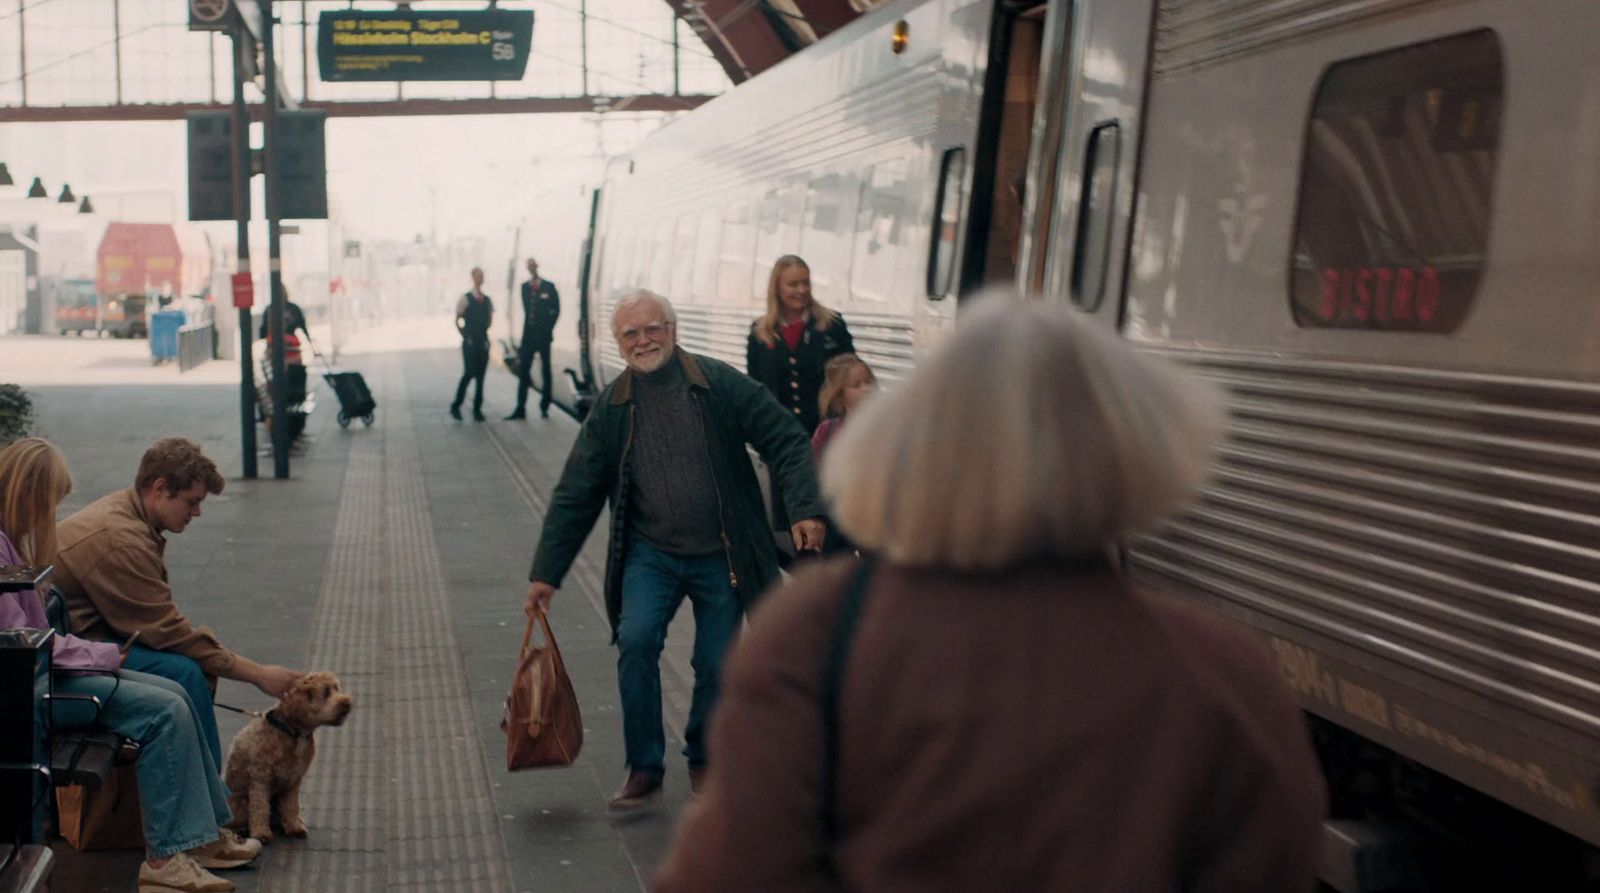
{"x":651,"y":363}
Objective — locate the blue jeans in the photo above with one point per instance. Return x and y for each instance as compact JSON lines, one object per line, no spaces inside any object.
{"x":188,"y":674}
{"x":181,"y":794}
{"x":653,"y":586}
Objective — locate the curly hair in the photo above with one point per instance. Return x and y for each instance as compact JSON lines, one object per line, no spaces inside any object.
{"x":178,"y":462}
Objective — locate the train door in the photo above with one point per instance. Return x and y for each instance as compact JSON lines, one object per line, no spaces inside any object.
{"x":1011,"y":89}
{"x":1084,"y":153}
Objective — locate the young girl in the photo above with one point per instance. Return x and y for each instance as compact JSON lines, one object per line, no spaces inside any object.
{"x":847,"y":380}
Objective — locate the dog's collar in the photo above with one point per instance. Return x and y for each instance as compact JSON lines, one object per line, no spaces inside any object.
{"x":282,"y":725}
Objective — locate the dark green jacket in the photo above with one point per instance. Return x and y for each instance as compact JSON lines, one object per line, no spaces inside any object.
{"x":736,"y":411}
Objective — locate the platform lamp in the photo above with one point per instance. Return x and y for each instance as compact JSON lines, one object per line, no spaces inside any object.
{"x":37,"y":189}
{"x":67,"y":197}
{"x":86,"y":207}
{"x":5,"y":175}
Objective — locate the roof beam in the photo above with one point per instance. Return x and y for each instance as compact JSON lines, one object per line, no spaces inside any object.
{"x":534,"y":105}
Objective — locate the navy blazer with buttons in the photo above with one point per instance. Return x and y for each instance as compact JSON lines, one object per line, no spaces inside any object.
{"x":795,"y":376}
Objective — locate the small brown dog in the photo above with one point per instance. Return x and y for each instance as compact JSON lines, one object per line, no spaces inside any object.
{"x":270,"y":756}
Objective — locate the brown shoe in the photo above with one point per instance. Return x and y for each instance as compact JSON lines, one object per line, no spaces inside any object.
{"x":697,"y":781}
{"x":637,"y":791}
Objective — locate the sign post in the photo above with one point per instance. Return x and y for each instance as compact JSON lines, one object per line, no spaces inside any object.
{"x":275,"y":298}
{"x":243,"y":59}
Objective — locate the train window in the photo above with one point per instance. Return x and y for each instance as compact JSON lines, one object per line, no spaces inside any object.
{"x":707,"y":244}
{"x":777,"y":235}
{"x":738,"y":245}
{"x":1096,"y":210}
{"x":946,"y":222}
{"x":661,"y":256}
{"x":620,"y":274}
{"x":825,"y":237}
{"x":1395,"y":189}
{"x":882,"y":215}
{"x":682,"y":263}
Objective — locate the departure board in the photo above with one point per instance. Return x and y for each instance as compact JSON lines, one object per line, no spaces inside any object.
{"x":413,"y":45}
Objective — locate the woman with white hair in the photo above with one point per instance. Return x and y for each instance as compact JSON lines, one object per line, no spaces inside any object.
{"x":989,"y":704}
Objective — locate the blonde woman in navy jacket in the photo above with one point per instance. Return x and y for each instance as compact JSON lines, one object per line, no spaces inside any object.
{"x":793,"y":341}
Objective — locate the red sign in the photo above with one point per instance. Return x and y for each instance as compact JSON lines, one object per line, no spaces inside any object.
{"x":244,"y":291}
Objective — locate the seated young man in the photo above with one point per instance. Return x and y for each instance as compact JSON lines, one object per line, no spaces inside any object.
{"x":111,"y":566}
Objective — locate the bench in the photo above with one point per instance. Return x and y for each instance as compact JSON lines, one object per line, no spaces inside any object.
{"x":77,"y":757}
{"x":297,"y":412}
{"x":25,"y":869}
{"x":82,"y":757}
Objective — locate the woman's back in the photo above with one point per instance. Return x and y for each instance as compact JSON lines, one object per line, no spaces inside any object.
{"x":1045,"y":729}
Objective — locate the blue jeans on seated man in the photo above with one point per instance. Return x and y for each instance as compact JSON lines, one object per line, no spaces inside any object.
{"x":653,"y":586}
{"x":181,"y":794}
{"x":188,"y":674}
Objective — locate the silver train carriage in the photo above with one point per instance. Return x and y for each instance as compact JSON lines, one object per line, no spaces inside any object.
{"x":1374,"y":220}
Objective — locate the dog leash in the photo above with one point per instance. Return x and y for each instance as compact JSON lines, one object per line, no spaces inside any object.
{"x":256,"y":713}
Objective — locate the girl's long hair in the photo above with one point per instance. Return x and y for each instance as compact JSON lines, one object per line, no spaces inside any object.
{"x":767,"y":325}
{"x":33,"y":481}
{"x":830,"y":400}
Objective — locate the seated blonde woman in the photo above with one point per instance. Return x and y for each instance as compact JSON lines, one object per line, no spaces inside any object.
{"x":1011,"y":712}
{"x":181,"y":795}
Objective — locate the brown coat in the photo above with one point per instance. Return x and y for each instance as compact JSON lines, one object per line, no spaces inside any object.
{"x":1049,"y":729}
{"x":113,"y":571}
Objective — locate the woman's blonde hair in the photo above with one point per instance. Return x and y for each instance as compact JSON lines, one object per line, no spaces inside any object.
{"x":33,"y":481}
{"x":767,"y":325}
{"x":1028,"y":435}
{"x":830,"y":400}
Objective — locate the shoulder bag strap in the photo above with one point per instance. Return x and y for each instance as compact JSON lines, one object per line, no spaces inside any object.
{"x":832,"y":686}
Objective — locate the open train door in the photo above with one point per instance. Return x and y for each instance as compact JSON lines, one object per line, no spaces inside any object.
{"x":1083,"y":158}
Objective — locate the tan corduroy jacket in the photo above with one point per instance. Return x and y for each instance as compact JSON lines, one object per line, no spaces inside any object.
{"x":112,"y":569}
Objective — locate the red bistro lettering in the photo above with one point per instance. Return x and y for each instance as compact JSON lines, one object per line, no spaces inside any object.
{"x":1381,"y":294}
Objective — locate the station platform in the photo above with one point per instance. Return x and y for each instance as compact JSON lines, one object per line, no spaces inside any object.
{"x":395,"y":556}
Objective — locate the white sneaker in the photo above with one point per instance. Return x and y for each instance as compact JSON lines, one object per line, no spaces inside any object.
{"x":229,"y":850}
{"x":180,"y":875}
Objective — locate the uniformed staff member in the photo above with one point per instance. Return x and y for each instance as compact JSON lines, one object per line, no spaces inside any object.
{"x":789,"y":346}
{"x":541,"y":307}
{"x":473,"y":314}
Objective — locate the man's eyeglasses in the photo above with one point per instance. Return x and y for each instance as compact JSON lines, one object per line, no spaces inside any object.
{"x":653,"y":331}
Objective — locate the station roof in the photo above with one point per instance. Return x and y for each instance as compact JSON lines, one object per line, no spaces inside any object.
{"x":749,"y":36}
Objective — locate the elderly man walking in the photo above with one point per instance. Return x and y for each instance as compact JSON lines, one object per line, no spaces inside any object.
{"x":666,"y":444}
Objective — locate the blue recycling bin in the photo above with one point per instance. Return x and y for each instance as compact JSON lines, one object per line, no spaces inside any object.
{"x":164,"y":326}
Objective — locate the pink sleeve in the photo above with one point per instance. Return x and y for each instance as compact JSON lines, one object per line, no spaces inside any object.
{"x":75,"y":655}
{"x":25,"y":610}
{"x":819,"y":439}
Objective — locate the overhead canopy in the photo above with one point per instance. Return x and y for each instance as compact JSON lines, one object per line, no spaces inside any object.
{"x":749,"y":36}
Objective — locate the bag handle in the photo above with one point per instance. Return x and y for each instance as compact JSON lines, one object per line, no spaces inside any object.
{"x":542,"y":619}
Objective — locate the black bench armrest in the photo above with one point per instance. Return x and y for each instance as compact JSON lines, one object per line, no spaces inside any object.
{"x":25,"y":869}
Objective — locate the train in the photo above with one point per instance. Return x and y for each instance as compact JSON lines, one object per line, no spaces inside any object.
{"x":1373,"y":221}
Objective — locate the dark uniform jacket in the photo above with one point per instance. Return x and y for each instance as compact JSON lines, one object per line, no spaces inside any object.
{"x":539,"y":313}
{"x":736,"y":411}
{"x":474,"y":318}
{"x":795,"y":377}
